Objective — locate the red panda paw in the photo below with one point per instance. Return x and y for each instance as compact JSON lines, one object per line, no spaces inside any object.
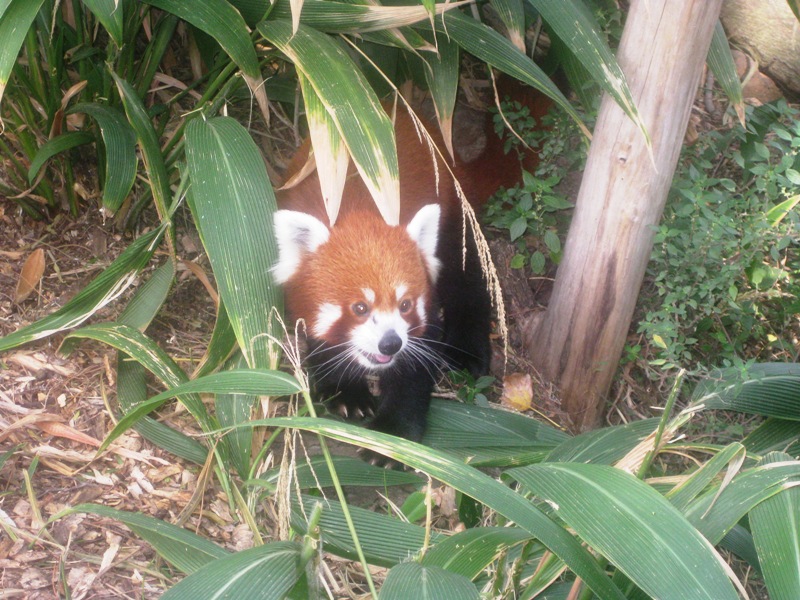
{"x":379,"y":460}
{"x":348,"y":408}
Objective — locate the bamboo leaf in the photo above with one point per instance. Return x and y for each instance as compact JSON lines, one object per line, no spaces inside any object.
{"x":681,"y":495}
{"x":110,"y":13}
{"x":603,"y":446}
{"x":512,"y":15}
{"x":412,"y":580}
{"x":350,"y":472}
{"x":221,"y":346}
{"x":244,"y":381}
{"x":104,"y":288}
{"x":351,"y":103}
{"x":442,"y":78}
{"x":330,"y":153}
{"x":183,"y":549}
{"x":769,"y":389}
{"x":359,"y":17}
{"x":775,"y":523}
{"x":119,"y":140}
{"x":61,"y":143}
{"x":714,"y":514}
{"x":491,"y":47}
{"x":265,"y":572}
{"x":233,"y":203}
{"x":472,"y":482}
{"x":575,"y":26}
{"x":15,"y":21}
{"x":469,"y":552}
{"x":390,"y":540}
{"x":148,"y":142}
{"x":773,"y":435}
{"x":720,"y":61}
{"x":633,"y":526}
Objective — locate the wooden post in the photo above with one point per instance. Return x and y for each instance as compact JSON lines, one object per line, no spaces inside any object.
{"x":578,"y":342}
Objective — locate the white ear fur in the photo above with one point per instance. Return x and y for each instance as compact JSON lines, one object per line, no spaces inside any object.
{"x":424,"y":230}
{"x":297,"y":234}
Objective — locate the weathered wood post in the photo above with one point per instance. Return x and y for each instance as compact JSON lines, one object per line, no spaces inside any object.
{"x":579,"y":340}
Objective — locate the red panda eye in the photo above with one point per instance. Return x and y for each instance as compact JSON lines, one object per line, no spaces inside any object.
{"x":405,"y":306}
{"x":360,"y":309}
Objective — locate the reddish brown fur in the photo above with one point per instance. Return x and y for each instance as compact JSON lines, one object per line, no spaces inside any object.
{"x":386,"y":256}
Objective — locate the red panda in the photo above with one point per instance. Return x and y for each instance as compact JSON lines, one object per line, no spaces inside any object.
{"x":400,"y":303}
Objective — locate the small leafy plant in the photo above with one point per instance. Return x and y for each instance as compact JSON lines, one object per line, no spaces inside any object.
{"x":724,"y":267}
{"x":469,"y":389}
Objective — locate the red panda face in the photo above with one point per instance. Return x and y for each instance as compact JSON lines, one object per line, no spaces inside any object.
{"x":362,"y":286}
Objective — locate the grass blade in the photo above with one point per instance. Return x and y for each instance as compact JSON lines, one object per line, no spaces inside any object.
{"x":110,"y":13}
{"x":720,"y":61}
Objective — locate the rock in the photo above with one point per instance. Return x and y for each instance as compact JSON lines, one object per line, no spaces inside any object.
{"x":757,"y":88}
{"x":769,"y":32}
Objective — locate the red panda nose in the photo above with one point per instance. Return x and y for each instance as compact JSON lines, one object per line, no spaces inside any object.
{"x":390,"y":343}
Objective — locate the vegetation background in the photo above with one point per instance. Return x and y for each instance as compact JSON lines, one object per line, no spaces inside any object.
{"x":137,"y":131}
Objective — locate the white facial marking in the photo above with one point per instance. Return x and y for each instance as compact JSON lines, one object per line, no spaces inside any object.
{"x":369,"y":295}
{"x":400,"y":291}
{"x":327,"y":315}
{"x":421,"y":309}
{"x":367,"y":336}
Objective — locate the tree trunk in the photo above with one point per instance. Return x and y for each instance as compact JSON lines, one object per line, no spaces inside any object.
{"x":578,"y":342}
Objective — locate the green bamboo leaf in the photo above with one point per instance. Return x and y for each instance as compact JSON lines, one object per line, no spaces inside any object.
{"x":221,"y":346}
{"x":489,"y":437}
{"x":233,"y":203}
{"x":773,"y":435}
{"x":475,"y":484}
{"x":148,"y":142}
{"x":777,"y":213}
{"x":360,"y":119}
{"x":769,"y":389}
{"x":512,"y":14}
{"x":224,"y":23}
{"x":61,"y":143}
{"x":775,"y":523}
{"x":132,"y":376}
{"x":15,"y":21}
{"x":104,"y":288}
{"x":358,"y":17}
{"x":147,"y":353}
{"x":412,"y":580}
{"x":110,"y":13}
{"x":390,"y":540}
{"x":491,"y":47}
{"x":350,"y":471}
{"x":471,"y":551}
{"x":330,"y":153}
{"x":720,"y":61}
{"x":119,"y":140}
{"x":265,"y":572}
{"x":575,"y":26}
{"x":680,"y":496}
{"x":244,"y":381}
{"x":233,"y":409}
{"x":633,"y":526}
{"x":181,"y":548}
{"x":715,"y":513}
{"x":442,"y":79}
{"x":603,"y":446}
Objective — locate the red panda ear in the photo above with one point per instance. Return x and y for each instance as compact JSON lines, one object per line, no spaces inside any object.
{"x":424,"y":230}
{"x":297,"y":234}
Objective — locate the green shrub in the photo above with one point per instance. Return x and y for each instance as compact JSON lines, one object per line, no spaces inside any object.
{"x":723,"y":276}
